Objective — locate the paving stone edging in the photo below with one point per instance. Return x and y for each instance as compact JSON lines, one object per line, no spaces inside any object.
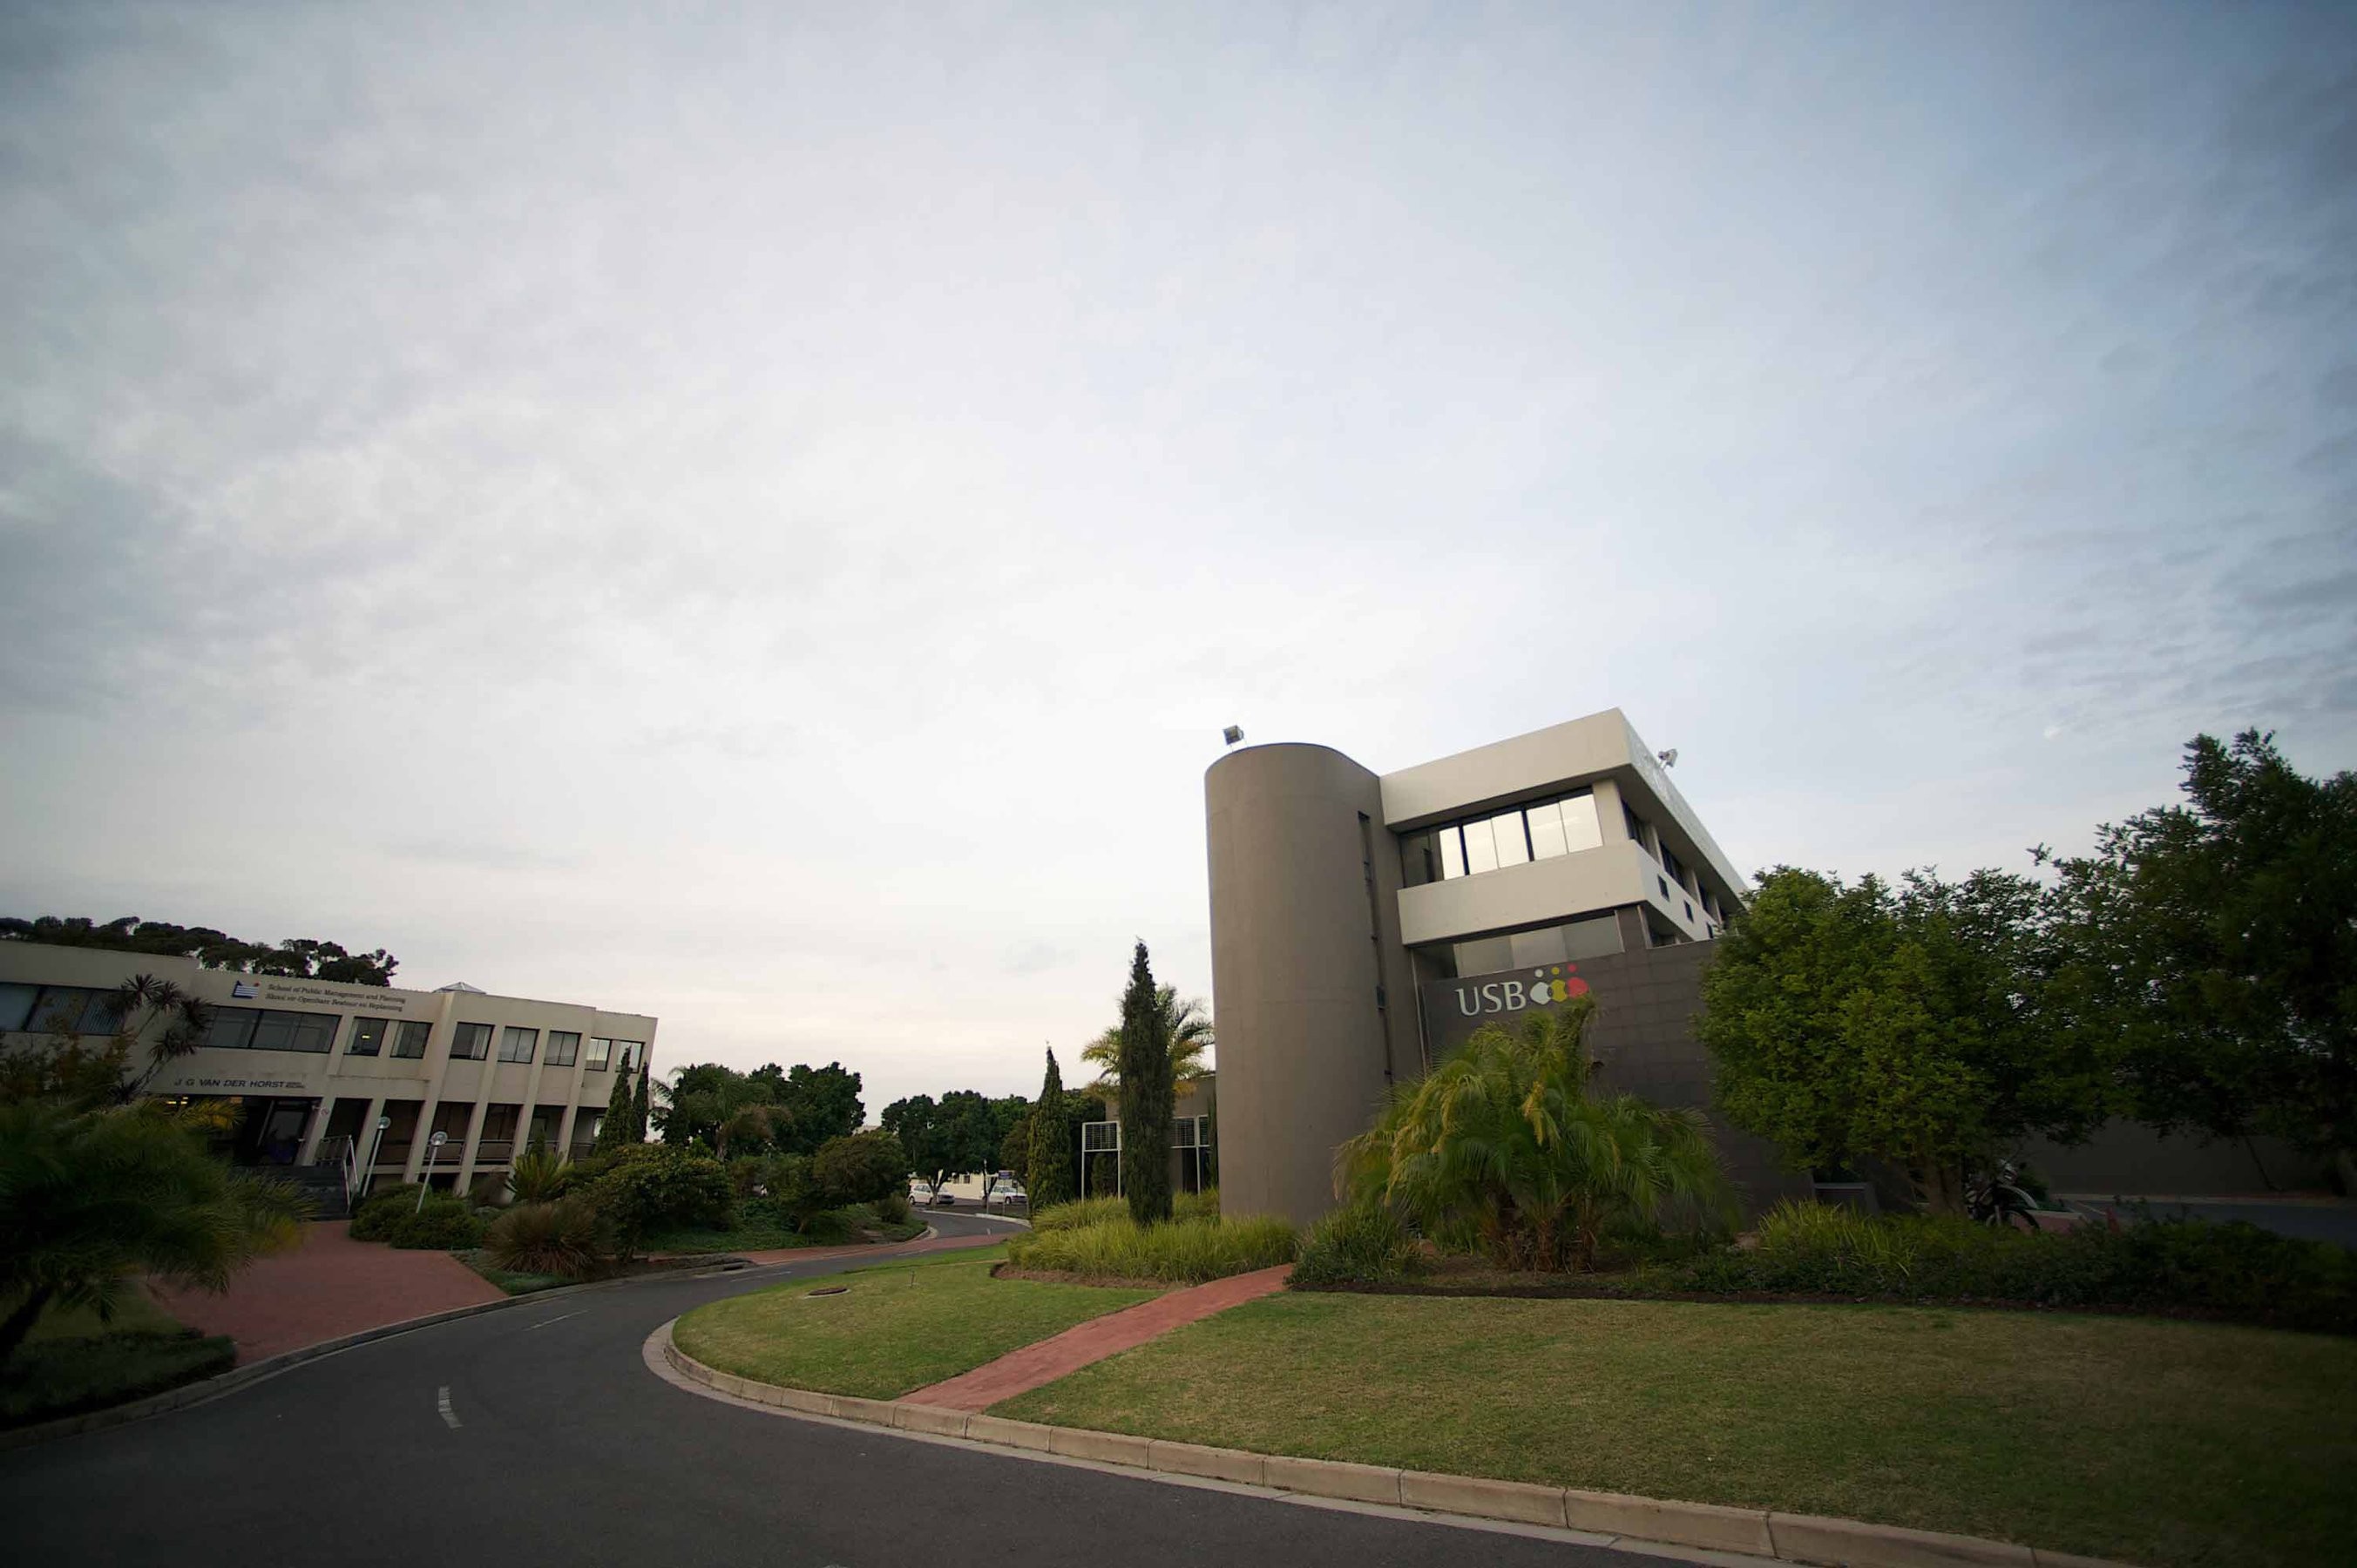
{"x":1792,"y":1538}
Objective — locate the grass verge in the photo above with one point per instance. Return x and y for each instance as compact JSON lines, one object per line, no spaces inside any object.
{"x":72,"y":1363}
{"x":898,"y":1327}
{"x":2153,"y":1442}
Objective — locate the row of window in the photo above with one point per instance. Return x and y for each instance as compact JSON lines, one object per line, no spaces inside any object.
{"x":81,"y":1010}
{"x":1540,"y":830}
{"x":77,"y":1009}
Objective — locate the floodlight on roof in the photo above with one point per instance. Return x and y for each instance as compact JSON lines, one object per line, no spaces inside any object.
{"x":1232,"y":735}
{"x":1669,"y":759}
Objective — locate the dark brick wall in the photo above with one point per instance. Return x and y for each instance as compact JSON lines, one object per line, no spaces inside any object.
{"x":1644,"y":1036}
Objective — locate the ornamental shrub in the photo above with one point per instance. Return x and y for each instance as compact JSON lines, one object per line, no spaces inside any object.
{"x":1187,"y":1251}
{"x":651,"y":1187}
{"x":443,"y":1224}
{"x":378,"y":1209}
{"x":562,"y":1238}
{"x":1363,"y":1243}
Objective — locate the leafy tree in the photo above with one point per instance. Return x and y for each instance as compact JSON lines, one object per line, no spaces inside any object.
{"x":2216,"y":941}
{"x":1146,"y":1094}
{"x":1048,"y":1166}
{"x":1015,"y":1151}
{"x":863,"y":1168}
{"x":621,"y":1109}
{"x":1912,"y":1025}
{"x":822,"y":1102}
{"x":90,"y":1198}
{"x":301,"y":959}
{"x":1507,"y":1137}
{"x":958,"y":1135}
{"x":651,"y":1188}
{"x":1186,"y":1023}
{"x":724,"y":1110}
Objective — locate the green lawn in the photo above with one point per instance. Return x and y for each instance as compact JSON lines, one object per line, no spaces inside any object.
{"x":2138,"y":1439}
{"x":897,"y":1328}
{"x":71,"y":1362}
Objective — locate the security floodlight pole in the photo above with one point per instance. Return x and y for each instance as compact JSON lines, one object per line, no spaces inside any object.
{"x":1669,"y":759}
{"x":1232,"y":735}
{"x":433,"y":1148}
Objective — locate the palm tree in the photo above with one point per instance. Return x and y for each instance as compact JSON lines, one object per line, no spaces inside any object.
{"x":1189,"y":1024}
{"x":1508,"y":1136}
{"x":87,"y":1198}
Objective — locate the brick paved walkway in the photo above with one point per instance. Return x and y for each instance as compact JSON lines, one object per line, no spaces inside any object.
{"x":330,"y":1286}
{"x":1020,"y":1372}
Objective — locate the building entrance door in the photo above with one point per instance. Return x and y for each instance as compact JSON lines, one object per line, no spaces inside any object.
{"x":273,"y":1132}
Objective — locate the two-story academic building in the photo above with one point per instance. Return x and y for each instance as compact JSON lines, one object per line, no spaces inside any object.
{"x":1362,"y":925}
{"x":361,"y":1077}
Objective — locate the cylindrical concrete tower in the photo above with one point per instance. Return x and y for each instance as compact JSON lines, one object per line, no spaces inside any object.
{"x":1305,"y":984}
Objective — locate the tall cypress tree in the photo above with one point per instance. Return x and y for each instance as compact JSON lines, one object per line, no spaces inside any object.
{"x":639,"y":1106}
{"x":1049,"y":1177}
{"x":621,"y":1105}
{"x":1147,"y":1096}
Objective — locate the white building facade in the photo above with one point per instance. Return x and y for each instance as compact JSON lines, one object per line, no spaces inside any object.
{"x":326,"y":1073}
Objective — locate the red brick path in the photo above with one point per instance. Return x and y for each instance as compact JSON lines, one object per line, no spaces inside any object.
{"x":330,"y":1286}
{"x":1020,"y":1372}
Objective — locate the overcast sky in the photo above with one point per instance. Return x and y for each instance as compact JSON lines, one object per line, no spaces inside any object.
{"x":760,"y":520}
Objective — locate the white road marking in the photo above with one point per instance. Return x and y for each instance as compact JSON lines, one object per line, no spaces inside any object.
{"x":558,"y":1318}
{"x":442,"y":1400}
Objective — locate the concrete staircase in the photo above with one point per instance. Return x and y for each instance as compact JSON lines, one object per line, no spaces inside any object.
{"x":323,"y":1185}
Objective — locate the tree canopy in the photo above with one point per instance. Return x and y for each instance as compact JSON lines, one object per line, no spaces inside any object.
{"x":297,"y":958}
{"x":957,"y":1136}
{"x":2215,"y":943}
{"x":1912,"y":1024}
{"x":770,"y":1110}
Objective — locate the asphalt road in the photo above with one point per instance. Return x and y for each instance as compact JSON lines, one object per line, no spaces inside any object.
{"x":560,"y":1446}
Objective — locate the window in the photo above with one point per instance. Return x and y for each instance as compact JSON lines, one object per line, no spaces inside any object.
{"x":1591,"y":936}
{"x":1636,"y":825}
{"x":1481,"y":848}
{"x":516,"y":1043}
{"x":76,"y":1009}
{"x":231,"y":1028}
{"x":563,"y":1046}
{"x":100,"y":1014}
{"x":1452,"y":854}
{"x":1670,"y":862}
{"x":275,"y":1030}
{"x":626,"y":1053}
{"x":367,"y":1037}
{"x":600,"y":1053}
{"x":410,"y":1040}
{"x":471,"y":1043}
{"x":1513,"y":844}
{"x":16,"y":1006}
{"x":1581,"y":828}
{"x":1689,"y":904}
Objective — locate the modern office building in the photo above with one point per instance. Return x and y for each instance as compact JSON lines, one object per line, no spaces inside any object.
{"x":312,"y":1066}
{"x":1362,"y":925}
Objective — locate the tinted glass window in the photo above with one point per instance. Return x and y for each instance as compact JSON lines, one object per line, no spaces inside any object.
{"x":1532,"y":948}
{"x":410,"y":1040}
{"x":1636,"y":825}
{"x":516,"y":1043}
{"x":1592,"y":937}
{"x":233,"y":1028}
{"x":101,"y":1015}
{"x":601,"y":1052}
{"x":1506,"y":828}
{"x":470,"y":1042}
{"x":1481,"y":848}
{"x":367,"y":1037}
{"x":626,"y":1052}
{"x":275,"y":1030}
{"x":16,"y":1006}
{"x":1546,"y":830}
{"x":563,"y":1046}
{"x":1485,"y":955}
{"x":1452,"y":852}
{"x":1580,"y":830}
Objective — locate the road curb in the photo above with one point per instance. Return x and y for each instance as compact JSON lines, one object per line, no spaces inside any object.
{"x":1708,"y":1527}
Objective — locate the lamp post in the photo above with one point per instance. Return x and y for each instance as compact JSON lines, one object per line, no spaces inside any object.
{"x":367,"y":1172}
{"x":433,"y":1148}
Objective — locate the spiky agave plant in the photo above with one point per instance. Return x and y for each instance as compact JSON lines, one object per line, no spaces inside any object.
{"x":1508,"y":1138}
{"x":563,"y":1238}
